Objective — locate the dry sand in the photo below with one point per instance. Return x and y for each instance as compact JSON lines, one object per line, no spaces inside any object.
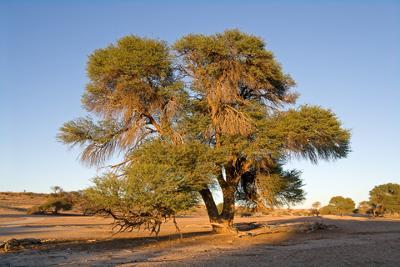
{"x":88,"y":241}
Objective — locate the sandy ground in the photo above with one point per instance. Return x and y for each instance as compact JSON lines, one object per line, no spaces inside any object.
{"x":88,"y":241}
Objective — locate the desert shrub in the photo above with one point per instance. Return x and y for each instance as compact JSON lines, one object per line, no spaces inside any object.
{"x":55,"y":205}
{"x":301,"y":212}
{"x":79,"y":200}
{"x":52,"y":206}
{"x":58,"y":201}
{"x":277,"y":212}
{"x":36,"y":210}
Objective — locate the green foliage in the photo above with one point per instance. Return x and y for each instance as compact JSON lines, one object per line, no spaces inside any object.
{"x":338,"y":206}
{"x":190,"y":164}
{"x":327,"y":210}
{"x":216,"y":62}
{"x":131,"y":84}
{"x":57,"y":205}
{"x":311,"y":132}
{"x":386,"y":197}
{"x":134,"y":74}
{"x":364,"y":207}
{"x":273,"y":189}
{"x":162,"y":180}
{"x":58,"y":201}
{"x":210,"y":110}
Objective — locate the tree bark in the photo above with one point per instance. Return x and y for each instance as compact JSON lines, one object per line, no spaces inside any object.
{"x":221,"y":223}
{"x":228,"y":210}
{"x":210,"y":204}
{"x":224,"y":224}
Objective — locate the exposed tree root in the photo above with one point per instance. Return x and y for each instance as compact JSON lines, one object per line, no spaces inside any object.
{"x":222,"y":228}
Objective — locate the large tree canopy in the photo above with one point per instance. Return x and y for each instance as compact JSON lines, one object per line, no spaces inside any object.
{"x":133,"y":91}
{"x":339,"y":205}
{"x":386,"y":197}
{"x":209,"y":111}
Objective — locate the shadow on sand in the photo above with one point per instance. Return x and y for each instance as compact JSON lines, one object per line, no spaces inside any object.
{"x":355,"y":242}
{"x":352,"y":242}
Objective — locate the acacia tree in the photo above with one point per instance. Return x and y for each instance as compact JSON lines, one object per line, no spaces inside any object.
{"x":316,"y":205}
{"x":385,"y":198}
{"x":364,"y":207}
{"x":339,"y":205}
{"x":315,"y":208}
{"x":224,"y":99}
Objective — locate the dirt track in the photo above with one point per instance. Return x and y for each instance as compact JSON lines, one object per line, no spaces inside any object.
{"x":87,"y":241}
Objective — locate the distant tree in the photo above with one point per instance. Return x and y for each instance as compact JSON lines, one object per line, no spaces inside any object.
{"x":316,"y":205}
{"x":327,"y":210}
{"x":222,"y":102}
{"x":315,"y":208}
{"x":364,"y":207}
{"x":377,"y":210}
{"x":385,"y":198}
{"x":339,"y":205}
{"x":56,"y":189}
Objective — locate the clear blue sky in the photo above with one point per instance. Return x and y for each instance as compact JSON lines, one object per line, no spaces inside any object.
{"x":344,"y":55}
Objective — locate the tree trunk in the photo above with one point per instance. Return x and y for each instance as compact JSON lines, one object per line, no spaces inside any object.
{"x":228,"y":187}
{"x":210,"y":204}
{"x":228,"y":210}
{"x":221,"y":223}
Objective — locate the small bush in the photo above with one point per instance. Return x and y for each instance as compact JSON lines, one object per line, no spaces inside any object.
{"x":52,"y":206}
